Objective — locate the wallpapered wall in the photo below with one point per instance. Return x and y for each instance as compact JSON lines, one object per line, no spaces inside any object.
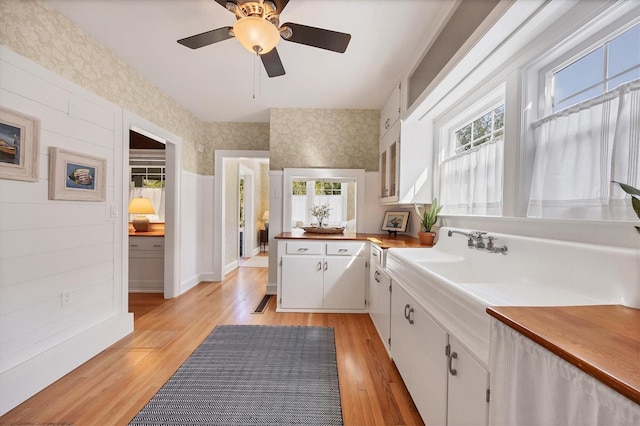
{"x":232,"y":136}
{"x":329,"y":138}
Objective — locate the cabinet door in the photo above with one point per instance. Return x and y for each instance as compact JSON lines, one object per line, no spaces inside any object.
{"x":381,"y":306}
{"x":345,"y":279}
{"x":301,"y":282}
{"x":418,"y":347}
{"x":390,"y":110}
{"x":390,"y":154}
{"x":467,"y":388}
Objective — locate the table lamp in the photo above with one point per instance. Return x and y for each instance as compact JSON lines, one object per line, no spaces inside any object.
{"x":265,"y":219}
{"x":141,"y":206}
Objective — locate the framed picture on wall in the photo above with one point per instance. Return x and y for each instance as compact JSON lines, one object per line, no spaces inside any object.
{"x":395,"y":221}
{"x":19,"y":145}
{"x":76,"y":177}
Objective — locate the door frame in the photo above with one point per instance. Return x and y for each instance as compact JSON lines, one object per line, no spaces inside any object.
{"x":218,"y":203}
{"x":249,"y":222}
{"x":132,"y":121}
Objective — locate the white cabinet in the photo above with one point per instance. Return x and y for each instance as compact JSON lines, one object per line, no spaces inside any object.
{"x":468,"y":398}
{"x":146,"y":264}
{"x":418,"y":347}
{"x":447,"y":384}
{"x":390,"y":164}
{"x":406,"y":156}
{"x":380,"y":296}
{"x":390,"y":112}
{"x":322,"y":275}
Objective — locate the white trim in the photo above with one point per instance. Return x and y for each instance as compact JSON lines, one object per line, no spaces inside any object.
{"x":218,"y":205}
{"x":172,"y":200}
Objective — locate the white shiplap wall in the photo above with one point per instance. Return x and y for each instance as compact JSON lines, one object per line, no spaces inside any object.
{"x":49,"y":246}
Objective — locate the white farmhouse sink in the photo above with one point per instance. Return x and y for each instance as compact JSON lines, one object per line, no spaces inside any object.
{"x":456,"y":284}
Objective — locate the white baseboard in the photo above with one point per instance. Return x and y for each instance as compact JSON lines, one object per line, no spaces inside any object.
{"x":230,"y":267}
{"x":272,"y":288}
{"x":25,"y":380}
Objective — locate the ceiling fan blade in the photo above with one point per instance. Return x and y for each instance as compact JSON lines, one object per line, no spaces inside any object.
{"x":280,"y":5}
{"x":272,"y":63}
{"x":200,"y":40}
{"x":223,"y":3}
{"x":318,"y":37}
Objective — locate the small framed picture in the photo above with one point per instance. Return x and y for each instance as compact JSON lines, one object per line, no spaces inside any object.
{"x":76,"y":177}
{"x":19,"y":145}
{"x":395,"y":221}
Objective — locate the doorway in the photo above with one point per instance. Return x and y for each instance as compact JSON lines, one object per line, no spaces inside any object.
{"x":225,"y":227}
{"x":246,"y":214}
{"x":172,"y":144}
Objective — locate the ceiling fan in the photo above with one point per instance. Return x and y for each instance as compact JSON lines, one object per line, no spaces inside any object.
{"x":258,"y":29}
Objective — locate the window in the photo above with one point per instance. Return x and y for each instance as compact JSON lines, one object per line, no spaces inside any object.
{"x":483,"y":129}
{"x":614,"y":62}
{"x":583,"y":132}
{"x":470,"y":165}
{"x":324,"y":192}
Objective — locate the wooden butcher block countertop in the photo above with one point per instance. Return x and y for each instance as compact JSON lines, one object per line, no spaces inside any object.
{"x":603,"y":341}
{"x":383,"y":240}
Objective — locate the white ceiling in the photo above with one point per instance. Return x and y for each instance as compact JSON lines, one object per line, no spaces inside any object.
{"x":216,"y":82}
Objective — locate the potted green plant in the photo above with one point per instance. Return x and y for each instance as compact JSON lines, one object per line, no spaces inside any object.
{"x":428,"y":218}
{"x":635,"y":201}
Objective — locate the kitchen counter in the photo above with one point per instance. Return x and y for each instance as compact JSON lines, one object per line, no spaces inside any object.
{"x":602,"y":340}
{"x":383,"y":240}
{"x":155,"y":230}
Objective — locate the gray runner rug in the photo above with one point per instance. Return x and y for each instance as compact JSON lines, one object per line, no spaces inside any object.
{"x":253,"y":375}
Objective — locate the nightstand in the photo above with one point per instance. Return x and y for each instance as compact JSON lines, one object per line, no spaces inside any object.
{"x":264,"y":238}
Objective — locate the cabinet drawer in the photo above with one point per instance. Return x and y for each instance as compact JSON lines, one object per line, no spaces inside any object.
{"x":304,"y":247}
{"x":146,"y":243}
{"x":346,"y":248}
{"x":377,"y":256}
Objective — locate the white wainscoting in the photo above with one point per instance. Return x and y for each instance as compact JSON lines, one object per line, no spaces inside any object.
{"x":47,"y":247}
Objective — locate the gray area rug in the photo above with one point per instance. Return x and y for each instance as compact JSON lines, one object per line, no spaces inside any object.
{"x":253,"y":375}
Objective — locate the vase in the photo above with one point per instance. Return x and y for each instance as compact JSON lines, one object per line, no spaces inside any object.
{"x":426,"y":238}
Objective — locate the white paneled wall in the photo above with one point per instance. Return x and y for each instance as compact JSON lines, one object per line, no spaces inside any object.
{"x":47,"y":247}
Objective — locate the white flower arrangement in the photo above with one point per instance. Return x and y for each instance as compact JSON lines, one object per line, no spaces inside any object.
{"x":321,"y":212}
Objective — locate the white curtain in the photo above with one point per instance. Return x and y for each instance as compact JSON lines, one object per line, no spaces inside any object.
{"x":580,"y":150}
{"x":532,"y":386}
{"x":471,"y":182}
{"x":156,"y":195}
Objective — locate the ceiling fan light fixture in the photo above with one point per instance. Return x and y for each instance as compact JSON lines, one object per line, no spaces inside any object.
{"x":255,"y":34}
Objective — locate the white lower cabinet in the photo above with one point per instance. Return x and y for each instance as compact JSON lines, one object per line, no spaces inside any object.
{"x":146,"y":264}
{"x":468,"y":388}
{"x":380,"y":303}
{"x":418,"y":348}
{"x":448,"y":386}
{"x":322,"y":275}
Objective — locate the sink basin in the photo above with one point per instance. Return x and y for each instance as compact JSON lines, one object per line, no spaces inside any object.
{"x":456,"y":284}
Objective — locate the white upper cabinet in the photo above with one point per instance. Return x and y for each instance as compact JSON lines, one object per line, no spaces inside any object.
{"x":406,"y":153}
{"x":390,"y":112}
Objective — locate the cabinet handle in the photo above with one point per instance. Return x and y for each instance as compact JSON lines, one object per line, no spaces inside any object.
{"x":453,"y":356}
{"x":406,"y":314}
{"x":343,"y":250}
{"x":303,"y":249}
{"x":376,"y":276}
{"x":319,"y":265}
{"x":133,"y":245}
{"x":326,"y":266}
{"x":157,"y":245}
{"x":409,"y":318}
{"x":374,"y":254}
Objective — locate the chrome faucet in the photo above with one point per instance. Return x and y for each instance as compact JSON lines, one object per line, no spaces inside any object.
{"x":476,"y":240}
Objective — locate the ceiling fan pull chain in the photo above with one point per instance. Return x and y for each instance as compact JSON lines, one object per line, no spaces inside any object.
{"x":253,"y":75}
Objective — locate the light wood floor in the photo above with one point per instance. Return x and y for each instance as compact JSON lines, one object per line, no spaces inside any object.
{"x":112,"y":387}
